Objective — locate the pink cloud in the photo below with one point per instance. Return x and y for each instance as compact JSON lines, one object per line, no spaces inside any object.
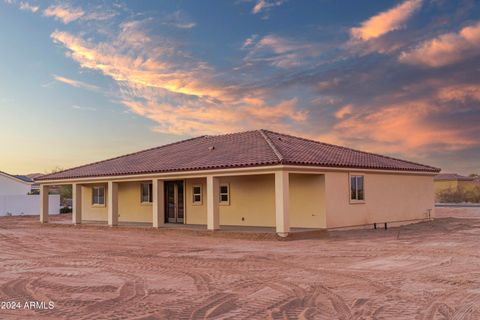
{"x":285,"y":109}
{"x":180,"y":97}
{"x":386,"y":21}
{"x":461,"y":93}
{"x":402,"y":128}
{"x":344,"y":111}
{"x":76,"y":83}
{"x":64,"y":13}
{"x":262,"y":5}
{"x":445,"y":49}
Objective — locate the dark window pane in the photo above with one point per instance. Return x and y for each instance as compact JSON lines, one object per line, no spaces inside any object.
{"x":98,"y":195}
{"x":142,"y":190}
{"x":353,"y":188}
{"x":196,"y":190}
{"x":146,"y":190}
{"x":223,"y":189}
{"x":224,"y":198}
{"x":360,"y":195}
{"x":360,"y":188}
{"x":196,"y":198}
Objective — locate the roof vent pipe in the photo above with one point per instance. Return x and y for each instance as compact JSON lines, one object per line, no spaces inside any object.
{"x":211,"y":148}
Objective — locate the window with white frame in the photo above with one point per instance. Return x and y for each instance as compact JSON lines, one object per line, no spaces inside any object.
{"x":146,"y":192}
{"x":224,"y":194}
{"x":357,"y":188}
{"x":197,"y":194}
{"x":98,"y":196}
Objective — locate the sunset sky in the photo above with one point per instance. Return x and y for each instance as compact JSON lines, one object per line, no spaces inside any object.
{"x":81,"y":81}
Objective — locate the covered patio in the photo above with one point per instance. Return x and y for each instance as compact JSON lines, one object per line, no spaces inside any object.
{"x":261,"y":200}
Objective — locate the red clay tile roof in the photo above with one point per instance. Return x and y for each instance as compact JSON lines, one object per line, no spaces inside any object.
{"x":245,"y":149}
{"x":452,"y":176}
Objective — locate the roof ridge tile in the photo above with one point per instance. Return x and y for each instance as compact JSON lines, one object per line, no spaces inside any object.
{"x":351,"y":149}
{"x":272,"y":146}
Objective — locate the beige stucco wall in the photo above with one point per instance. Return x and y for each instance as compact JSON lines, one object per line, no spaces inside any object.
{"x":90,"y":212}
{"x":316,"y":201}
{"x":307,"y":201}
{"x":388,"y":197}
{"x":129,"y":207}
{"x":253,"y":199}
{"x":195,"y":214}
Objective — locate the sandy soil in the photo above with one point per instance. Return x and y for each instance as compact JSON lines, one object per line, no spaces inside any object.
{"x":424,"y":271}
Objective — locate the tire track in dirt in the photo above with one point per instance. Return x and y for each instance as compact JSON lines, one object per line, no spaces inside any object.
{"x":143,"y":275}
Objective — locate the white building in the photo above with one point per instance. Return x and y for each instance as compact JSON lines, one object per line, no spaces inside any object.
{"x":14,"y":185}
{"x":16,"y":200}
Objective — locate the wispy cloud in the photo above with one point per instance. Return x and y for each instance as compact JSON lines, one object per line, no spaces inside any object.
{"x":64,"y":13}
{"x":76,"y":83}
{"x":263,"y":6}
{"x":389,"y":129}
{"x":178,"y":19}
{"x":386,"y":21}
{"x":279,"y":51}
{"x":179,"y":93}
{"x":460,"y":92}
{"x":28,"y":7}
{"x":23,"y":5}
{"x":76,"y":107}
{"x":285,"y":109}
{"x":250,"y":41}
{"x":344,"y":111}
{"x":445,"y":49}
{"x":145,"y":67}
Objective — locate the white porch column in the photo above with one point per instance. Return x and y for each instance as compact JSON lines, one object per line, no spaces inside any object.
{"x":76,"y":203}
{"x":43,"y":203}
{"x":213,"y":194}
{"x":158,"y":205}
{"x":112,"y":203}
{"x":281,"y":203}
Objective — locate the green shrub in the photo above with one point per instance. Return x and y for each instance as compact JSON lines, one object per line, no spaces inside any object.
{"x":65,"y":210}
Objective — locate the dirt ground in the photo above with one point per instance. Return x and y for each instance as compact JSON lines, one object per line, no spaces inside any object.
{"x":425,"y":271}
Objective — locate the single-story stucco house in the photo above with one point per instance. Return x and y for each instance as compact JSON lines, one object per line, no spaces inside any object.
{"x":253,"y":178}
{"x":453,"y":182}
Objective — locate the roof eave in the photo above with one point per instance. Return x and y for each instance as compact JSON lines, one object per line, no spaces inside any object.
{"x":273,"y":166}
